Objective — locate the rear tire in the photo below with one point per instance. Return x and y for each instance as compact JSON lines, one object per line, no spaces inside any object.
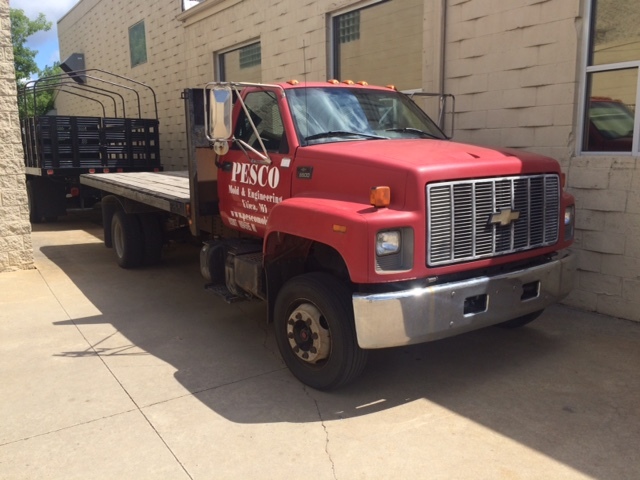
{"x":126,"y":235}
{"x":153,"y":239}
{"x":315,"y":331}
{"x":520,"y":321}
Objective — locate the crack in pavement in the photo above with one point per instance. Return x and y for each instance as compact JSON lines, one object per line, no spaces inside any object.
{"x":326,"y":431}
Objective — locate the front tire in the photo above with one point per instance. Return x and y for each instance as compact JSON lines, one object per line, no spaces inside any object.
{"x":315,"y":331}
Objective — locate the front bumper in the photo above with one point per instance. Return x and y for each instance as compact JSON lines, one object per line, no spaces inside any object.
{"x":431,"y":313}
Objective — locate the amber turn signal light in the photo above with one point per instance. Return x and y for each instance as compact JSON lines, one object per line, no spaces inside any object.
{"x":380,"y":196}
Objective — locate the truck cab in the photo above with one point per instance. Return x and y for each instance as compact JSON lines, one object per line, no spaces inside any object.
{"x":363,"y":226}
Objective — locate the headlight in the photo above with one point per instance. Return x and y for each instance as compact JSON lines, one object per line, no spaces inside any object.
{"x":388,"y":243}
{"x":569,"y":221}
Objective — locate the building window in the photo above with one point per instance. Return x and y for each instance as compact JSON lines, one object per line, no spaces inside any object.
{"x":612,"y":81}
{"x":380,"y":43}
{"x":137,"y":44}
{"x":240,"y":64}
{"x":250,"y":56}
{"x":348,"y":26}
{"x":187,"y":4}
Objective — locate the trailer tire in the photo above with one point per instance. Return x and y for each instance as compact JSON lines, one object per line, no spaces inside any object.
{"x":127,"y":238}
{"x":315,"y":331}
{"x":34,"y":213}
{"x":153,"y":238}
{"x":520,"y":321}
{"x":108,"y":206}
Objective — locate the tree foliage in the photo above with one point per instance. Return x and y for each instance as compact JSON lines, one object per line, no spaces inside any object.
{"x":41,"y":99}
{"x":22,"y":27}
{"x":30,"y":101}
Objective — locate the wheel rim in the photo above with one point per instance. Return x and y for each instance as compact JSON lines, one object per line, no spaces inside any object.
{"x":308,"y":334}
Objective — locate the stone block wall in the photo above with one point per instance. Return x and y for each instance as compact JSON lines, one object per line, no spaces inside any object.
{"x":512,"y":66}
{"x":16,"y":252}
{"x":608,"y":234}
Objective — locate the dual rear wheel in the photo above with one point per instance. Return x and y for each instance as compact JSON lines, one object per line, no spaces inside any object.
{"x":137,"y":239}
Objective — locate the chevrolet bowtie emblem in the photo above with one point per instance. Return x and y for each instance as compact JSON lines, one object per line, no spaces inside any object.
{"x":504,"y":217}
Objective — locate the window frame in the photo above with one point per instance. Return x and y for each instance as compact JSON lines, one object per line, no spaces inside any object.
{"x":334,"y":34}
{"x":219,"y":67}
{"x":587,"y":70}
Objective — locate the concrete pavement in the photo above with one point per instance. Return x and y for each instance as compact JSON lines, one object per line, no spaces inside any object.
{"x":111,"y":373}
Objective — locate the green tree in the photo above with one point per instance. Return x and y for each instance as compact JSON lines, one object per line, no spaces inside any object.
{"x":22,"y":27}
{"x":31,"y":101}
{"x":39,"y":100}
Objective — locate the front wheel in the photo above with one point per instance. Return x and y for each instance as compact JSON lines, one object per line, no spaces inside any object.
{"x":315,"y":331}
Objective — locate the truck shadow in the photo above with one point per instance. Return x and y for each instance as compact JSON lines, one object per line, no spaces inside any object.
{"x":564,"y":386}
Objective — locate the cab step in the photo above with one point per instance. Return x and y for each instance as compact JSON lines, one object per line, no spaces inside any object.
{"x":223,"y":291}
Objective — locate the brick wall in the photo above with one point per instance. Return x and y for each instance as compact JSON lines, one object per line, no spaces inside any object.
{"x":15,"y":231}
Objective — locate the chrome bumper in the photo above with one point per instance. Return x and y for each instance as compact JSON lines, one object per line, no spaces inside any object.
{"x":431,"y":313}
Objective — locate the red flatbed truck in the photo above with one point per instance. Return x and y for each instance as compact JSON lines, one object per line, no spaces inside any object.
{"x":349,"y":211}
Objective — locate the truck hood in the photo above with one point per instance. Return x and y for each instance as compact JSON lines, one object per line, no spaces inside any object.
{"x":348,"y":170}
{"x":433,"y":160}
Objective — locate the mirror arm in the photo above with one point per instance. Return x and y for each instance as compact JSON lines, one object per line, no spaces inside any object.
{"x":264,"y":159}
{"x":264,"y":155}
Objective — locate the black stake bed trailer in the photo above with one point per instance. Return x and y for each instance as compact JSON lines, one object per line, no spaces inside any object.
{"x":58,"y":148}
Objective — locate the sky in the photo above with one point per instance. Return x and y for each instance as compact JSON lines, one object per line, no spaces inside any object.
{"x":46,"y":43}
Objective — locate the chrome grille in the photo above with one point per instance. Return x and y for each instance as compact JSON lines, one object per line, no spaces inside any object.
{"x":459,"y":224}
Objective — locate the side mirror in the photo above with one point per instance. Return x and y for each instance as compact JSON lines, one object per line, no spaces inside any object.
{"x":220,"y":104}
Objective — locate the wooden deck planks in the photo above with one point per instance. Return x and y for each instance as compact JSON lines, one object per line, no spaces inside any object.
{"x":158,"y":189}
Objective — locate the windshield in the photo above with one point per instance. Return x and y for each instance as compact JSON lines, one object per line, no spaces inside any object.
{"x":326,"y":114}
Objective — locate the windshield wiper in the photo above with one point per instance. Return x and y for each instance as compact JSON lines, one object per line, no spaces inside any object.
{"x":413,"y":130}
{"x":342,"y":133}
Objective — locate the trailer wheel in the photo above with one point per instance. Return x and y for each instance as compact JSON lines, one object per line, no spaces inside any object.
{"x":520,"y":321}
{"x":153,"y":240}
{"x":315,"y":332}
{"x":126,"y":235}
{"x":34,"y":213}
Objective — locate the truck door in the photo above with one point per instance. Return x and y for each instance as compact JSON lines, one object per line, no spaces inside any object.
{"x":250,"y":187}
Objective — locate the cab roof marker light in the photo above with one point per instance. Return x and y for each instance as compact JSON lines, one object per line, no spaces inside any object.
{"x":333,"y":81}
{"x":363,"y":83}
{"x":349,"y":82}
{"x":392,"y":87}
{"x":293,"y":81}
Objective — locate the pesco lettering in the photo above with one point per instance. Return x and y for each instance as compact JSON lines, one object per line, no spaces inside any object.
{"x":254,"y":174}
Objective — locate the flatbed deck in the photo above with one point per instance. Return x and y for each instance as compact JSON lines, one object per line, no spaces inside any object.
{"x":168,"y":191}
